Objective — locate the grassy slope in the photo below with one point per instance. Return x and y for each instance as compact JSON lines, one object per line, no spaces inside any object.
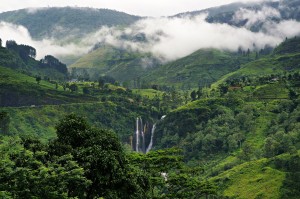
{"x":120,"y":64}
{"x":11,"y":59}
{"x":255,"y":179}
{"x":18,"y":89}
{"x":41,"y":121}
{"x":285,"y":58}
{"x":117,"y":111}
{"x":148,"y":93}
{"x":200,"y":68}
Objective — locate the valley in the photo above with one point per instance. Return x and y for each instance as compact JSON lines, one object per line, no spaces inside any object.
{"x":129,"y":119}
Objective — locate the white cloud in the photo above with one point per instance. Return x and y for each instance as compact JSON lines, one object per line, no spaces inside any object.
{"x":166,"y":38}
{"x":283,"y":29}
{"x":177,"y":37}
{"x":254,"y":16}
{"x":44,"y":47}
{"x":138,"y":7}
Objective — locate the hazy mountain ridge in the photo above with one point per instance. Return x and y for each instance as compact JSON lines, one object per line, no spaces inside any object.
{"x":67,"y":21}
{"x":72,"y":32}
{"x":242,"y":132}
{"x":123,"y":65}
{"x":288,"y":9}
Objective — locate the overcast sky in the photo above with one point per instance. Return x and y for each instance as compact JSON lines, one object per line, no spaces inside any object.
{"x":137,"y":7}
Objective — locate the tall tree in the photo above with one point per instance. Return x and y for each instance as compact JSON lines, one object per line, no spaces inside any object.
{"x":194,"y":95}
{"x":4,"y":123}
{"x":101,"y":155}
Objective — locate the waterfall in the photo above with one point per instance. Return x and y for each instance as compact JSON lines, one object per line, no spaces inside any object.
{"x":151,"y":141}
{"x":137,"y":135}
{"x":143,"y":136}
{"x":141,"y":132}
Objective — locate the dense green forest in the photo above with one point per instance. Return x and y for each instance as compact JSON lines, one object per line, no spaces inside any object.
{"x":58,"y":22}
{"x":22,"y":58}
{"x":221,"y":124}
{"x":123,"y":65}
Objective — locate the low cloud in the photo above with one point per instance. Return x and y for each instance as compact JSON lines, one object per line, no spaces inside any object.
{"x":44,"y":47}
{"x":283,"y":29}
{"x":173,"y":38}
{"x":255,"y":16}
{"x":168,"y":38}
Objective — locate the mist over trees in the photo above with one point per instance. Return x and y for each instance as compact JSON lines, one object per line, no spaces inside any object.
{"x":24,"y":51}
{"x":52,"y":62}
{"x":223,"y":121}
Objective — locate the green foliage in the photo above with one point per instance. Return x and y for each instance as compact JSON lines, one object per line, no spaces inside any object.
{"x":28,"y":174}
{"x":199,"y":69}
{"x":291,"y":45}
{"x":4,"y":123}
{"x":54,"y":63}
{"x":38,"y":79}
{"x":117,"y":111}
{"x":241,"y":135}
{"x":290,"y":164}
{"x":169,"y":177}
{"x":100,"y":154}
{"x":285,"y":58}
{"x":122,"y":65}
{"x":44,"y":22}
{"x":22,"y":58}
{"x":255,"y":179}
{"x":73,"y":87}
{"x":19,"y":89}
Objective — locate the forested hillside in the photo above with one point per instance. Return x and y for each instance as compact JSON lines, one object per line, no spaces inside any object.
{"x":59,"y":22}
{"x":199,"y":69}
{"x":121,"y":64}
{"x":124,"y":123}
{"x":287,"y":9}
{"x":21,"y":57}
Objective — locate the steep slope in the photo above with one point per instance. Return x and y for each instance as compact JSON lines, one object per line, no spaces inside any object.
{"x":201,"y":68}
{"x":285,"y":58}
{"x":276,"y":12}
{"x":248,"y":146}
{"x":17,"y":57}
{"x":10,"y":59}
{"x":118,"y":115}
{"x":35,"y":109}
{"x":19,"y":89}
{"x":66,"y":21}
{"x":289,"y":46}
{"x":245,"y":136}
{"x":121,"y":64}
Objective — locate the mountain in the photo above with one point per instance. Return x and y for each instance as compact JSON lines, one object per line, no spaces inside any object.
{"x":233,"y":119}
{"x":201,"y":68}
{"x":243,"y":131}
{"x":22,"y":58}
{"x":284,"y":58}
{"x":275,"y":11}
{"x":288,"y":46}
{"x":121,"y":64}
{"x":40,"y":105}
{"x":19,"y":89}
{"x":67,"y":21}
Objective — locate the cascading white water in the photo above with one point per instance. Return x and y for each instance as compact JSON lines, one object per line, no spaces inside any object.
{"x":137,"y":135}
{"x":140,"y":133}
{"x":143,"y":136}
{"x":151,"y":140}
